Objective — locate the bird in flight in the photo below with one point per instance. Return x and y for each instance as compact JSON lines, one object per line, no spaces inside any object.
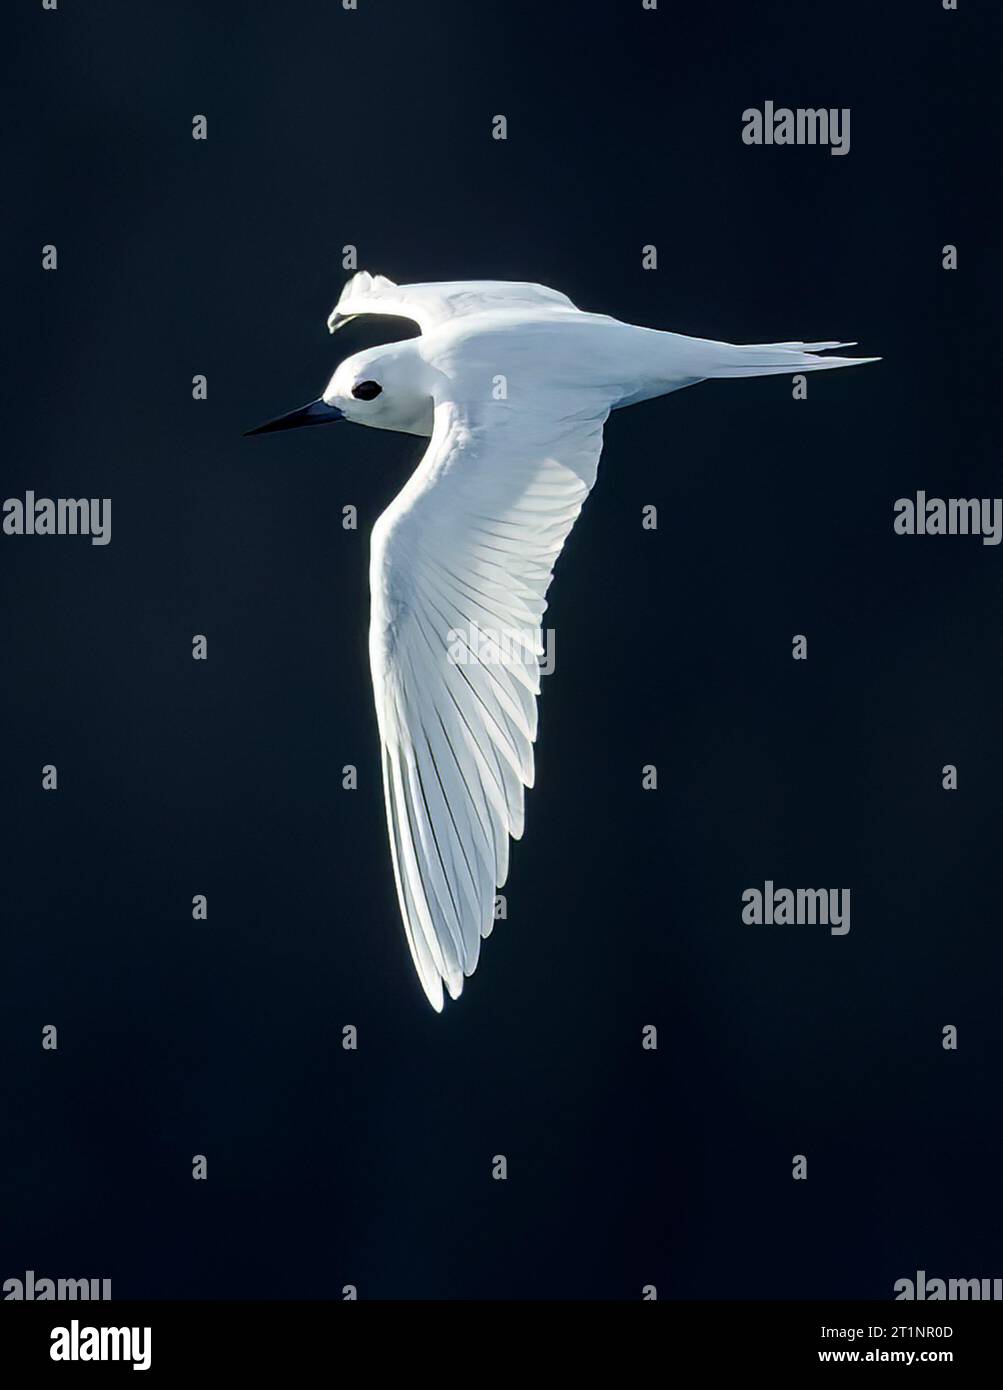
{"x":512,"y":385}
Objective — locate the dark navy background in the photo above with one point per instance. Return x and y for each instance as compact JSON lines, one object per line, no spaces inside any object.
{"x":177,"y":777}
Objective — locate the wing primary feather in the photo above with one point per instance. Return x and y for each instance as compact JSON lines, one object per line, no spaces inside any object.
{"x":466,"y":551}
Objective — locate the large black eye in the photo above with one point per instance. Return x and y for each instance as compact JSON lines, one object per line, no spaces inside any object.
{"x":366,"y":390}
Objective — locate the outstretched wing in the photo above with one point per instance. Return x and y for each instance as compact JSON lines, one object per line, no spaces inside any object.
{"x":432,"y":304}
{"x":461,"y":562}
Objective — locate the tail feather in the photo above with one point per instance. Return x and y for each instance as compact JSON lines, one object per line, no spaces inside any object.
{"x":770,"y":359}
{"x":798,"y":346}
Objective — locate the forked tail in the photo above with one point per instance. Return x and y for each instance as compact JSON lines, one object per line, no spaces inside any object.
{"x":768,"y":359}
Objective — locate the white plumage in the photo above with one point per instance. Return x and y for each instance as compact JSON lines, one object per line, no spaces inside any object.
{"x":514,"y":385}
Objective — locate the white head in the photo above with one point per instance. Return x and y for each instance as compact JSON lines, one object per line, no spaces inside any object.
{"x":386,"y":387}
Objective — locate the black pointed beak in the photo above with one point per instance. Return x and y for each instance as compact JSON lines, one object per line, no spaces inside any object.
{"x":316,"y":413}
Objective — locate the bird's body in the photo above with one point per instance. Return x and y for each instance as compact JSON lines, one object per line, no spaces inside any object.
{"x":513,"y":385}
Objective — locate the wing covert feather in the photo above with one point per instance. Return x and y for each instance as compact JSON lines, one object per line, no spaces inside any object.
{"x":431,"y":304}
{"x":460,"y":566}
